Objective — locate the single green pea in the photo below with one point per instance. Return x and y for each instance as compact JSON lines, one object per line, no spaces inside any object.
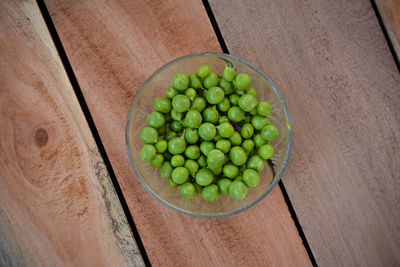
{"x":161,"y":146}
{"x":253,"y":111}
{"x":231,"y":171}
{"x":157,"y":160}
{"x":229,"y":73}
{"x":238,"y":178}
{"x":214,"y":95}
{"x":215,"y":159}
{"x":155,"y":119}
{"x":169,"y":135}
{"x":222,"y":119}
{"x":147,"y":153}
{"x":162,"y":104}
{"x":256,"y":163}
{"x":264,"y":108}
{"x":224,"y":105}
{"x":210,"y":114}
{"x":180,"y":81}
{"x":225,"y":129}
{"x":251,"y":178}
{"x":188,"y":190}
{"x":199,"y":104}
{"x":238,"y":156}
{"x":177,"y":145}
{"x":202,"y":161}
{"x":192,"y":167}
{"x":240,"y":92}
{"x":166,"y":170}
{"x":269,"y":132}
{"x":203,"y":71}
{"x":259,"y":122}
{"x":172,"y":184}
{"x":242,"y":81}
{"x":247,"y":102}
{"x":210,"y":193}
{"x":180,"y":175}
{"x":198,"y":188}
{"x":236,"y":139}
{"x":226,"y":159}
{"x":175,"y":126}
{"x":194,"y":81}
{"x":242,"y":169}
{"x":211,"y":80}
{"x":191,"y":135}
{"x":193,"y":119}
{"x":226,"y":86}
{"x":236,"y":114}
{"x":238,"y":190}
{"x":204,"y":177}
{"x":171,"y":92}
{"x":259,"y":140}
{"x":181,"y":103}
{"x":266,"y":151}
{"x":207,"y":131}
{"x":223,"y":185}
{"x":216,"y":171}
{"x":248,"y":145}
{"x":192,"y":152}
{"x":234,"y":99}
{"x":177,"y":160}
{"x":252,"y":92}
{"x":223,"y":145}
{"x":148,"y":135}
{"x":190,"y":93}
{"x":247,"y":130}
{"x":175,"y":115}
{"x":162,"y":130}
{"x":206,"y":146}
{"x":217,"y":137}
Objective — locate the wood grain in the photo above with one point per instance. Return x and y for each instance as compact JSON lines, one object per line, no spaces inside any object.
{"x":113,"y":47}
{"x":332,"y":63}
{"x":58,"y":206}
{"x":389,"y":11}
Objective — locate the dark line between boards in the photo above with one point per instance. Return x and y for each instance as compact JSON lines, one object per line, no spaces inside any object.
{"x":282,"y":187}
{"x":92,"y":126}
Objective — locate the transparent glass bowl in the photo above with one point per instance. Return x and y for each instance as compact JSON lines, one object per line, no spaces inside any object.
{"x":149,"y":176}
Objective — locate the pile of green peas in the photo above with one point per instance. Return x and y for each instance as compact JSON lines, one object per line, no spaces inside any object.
{"x":209,"y":135}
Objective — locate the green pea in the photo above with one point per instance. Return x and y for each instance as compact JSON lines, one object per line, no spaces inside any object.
{"x":216,"y":171}
{"x":223,"y":185}
{"x":236,"y":114}
{"x":226,"y":86}
{"x":180,"y":81}
{"x":215,"y":159}
{"x":217,"y":137}
{"x":202,"y":161}
{"x":256,"y":163}
{"x":231,"y":171}
{"x":169,"y":135}
{"x":247,"y":102}
{"x":259,"y":140}
{"x":223,"y":145}
{"x":191,"y":135}
{"x":194,"y":81}
{"x":199,"y":104}
{"x":193,"y":119}
{"x":161,"y":146}
{"x":180,"y":175}
{"x":172,"y":184}
{"x":253,"y":111}
{"x":226,"y":159}
{"x":242,"y":81}
{"x":203,"y":71}
{"x":229,"y":73}
{"x":252,"y":92}
{"x":192,"y":167}
{"x":166,"y":170}
{"x":240,"y":92}
{"x":175,"y":126}
{"x":147,"y":153}
{"x":225,"y":129}
{"x":236,"y":139}
{"x":247,"y":130}
{"x":175,"y":115}
{"x":242,"y":168}
{"x":207,"y":131}
{"x":162,"y":104}
{"x":238,"y":190}
{"x":192,"y":152}
{"x":181,"y":103}
{"x":248,"y":145}
{"x":177,"y":160}
{"x":251,"y":178}
{"x":171,"y":92}
{"x":238,"y":156}
{"x":155,"y":119}
{"x":211,"y":80}
{"x":162,"y":130}
{"x":148,"y":135}
{"x":198,"y":188}
{"x":204,"y":177}
{"x":266,"y":151}
{"x":269,"y":132}
{"x":259,"y":122}
{"x":264,"y":108}
{"x":210,"y":114}
{"x":157,"y":160}
{"x":238,"y":178}
{"x":210,"y":193}
{"x":176,"y":145}
{"x":222,"y":119}
{"x":224,"y":105}
{"x":234,"y":99}
{"x":190,"y":93}
{"x":206,"y":146}
{"x":188,"y":190}
{"x":214,"y":95}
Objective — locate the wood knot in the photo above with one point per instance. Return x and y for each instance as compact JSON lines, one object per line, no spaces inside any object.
{"x":41,"y":137}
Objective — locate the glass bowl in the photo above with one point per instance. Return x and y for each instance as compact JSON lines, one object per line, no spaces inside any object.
{"x":149,"y":176}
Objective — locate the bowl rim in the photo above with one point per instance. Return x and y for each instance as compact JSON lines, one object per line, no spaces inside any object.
{"x":278,"y":176}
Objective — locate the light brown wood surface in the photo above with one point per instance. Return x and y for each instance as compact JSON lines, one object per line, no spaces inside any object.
{"x":390,"y":14}
{"x":58,"y":206}
{"x":113,"y":46}
{"x":332,"y":63}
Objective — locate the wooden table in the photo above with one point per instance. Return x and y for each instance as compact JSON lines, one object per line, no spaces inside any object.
{"x":70,"y":69}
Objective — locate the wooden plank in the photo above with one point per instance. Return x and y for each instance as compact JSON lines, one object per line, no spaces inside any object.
{"x":333,"y":65}
{"x":389,"y":11}
{"x":113,"y":47}
{"x":58,"y":206}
